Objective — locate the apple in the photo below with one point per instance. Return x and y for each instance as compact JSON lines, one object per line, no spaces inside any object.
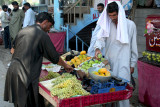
{"x":83,"y":66}
{"x":99,"y":56}
{"x":102,"y":59}
{"x":96,"y":61}
{"x":99,"y":62}
{"x":91,"y":62}
{"x":90,"y":65}
{"x":87,"y":68}
{"x":86,"y":63}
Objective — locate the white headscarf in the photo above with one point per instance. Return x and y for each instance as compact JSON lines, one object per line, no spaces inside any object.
{"x":105,"y":21}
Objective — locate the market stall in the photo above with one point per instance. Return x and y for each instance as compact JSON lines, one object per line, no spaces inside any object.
{"x":149,"y":64}
{"x":90,"y":83}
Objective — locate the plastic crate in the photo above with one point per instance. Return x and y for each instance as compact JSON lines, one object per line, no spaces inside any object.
{"x":105,"y":87}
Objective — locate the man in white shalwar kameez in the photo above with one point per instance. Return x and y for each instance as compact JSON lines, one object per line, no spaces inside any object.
{"x":117,"y":35}
{"x":29,"y":18}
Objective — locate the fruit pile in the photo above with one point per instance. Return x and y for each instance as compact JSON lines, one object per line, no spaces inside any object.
{"x":151,"y":56}
{"x":77,"y":60}
{"x":50,"y":75}
{"x":88,"y":64}
{"x":102,"y":72}
{"x":61,"y":78}
{"x":67,"y":87}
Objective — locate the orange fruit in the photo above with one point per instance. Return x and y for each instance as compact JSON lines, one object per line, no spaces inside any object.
{"x":75,"y":57}
{"x":96,"y":73}
{"x":101,"y":75}
{"x":108,"y":74}
{"x":102,"y":70}
{"x":88,"y":58}
{"x":82,"y":52}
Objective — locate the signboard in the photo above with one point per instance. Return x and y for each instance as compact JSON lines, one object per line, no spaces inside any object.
{"x":153,"y":33}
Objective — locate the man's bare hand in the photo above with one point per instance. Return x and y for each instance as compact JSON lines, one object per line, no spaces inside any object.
{"x":12,"y":50}
{"x":68,"y":68}
{"x":97,"y":52}
{"x":132,"y":70}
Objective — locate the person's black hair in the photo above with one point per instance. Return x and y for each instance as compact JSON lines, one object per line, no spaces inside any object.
{"x":27,"y":4}
{"x":44,"y":16}
{"x":9,"y":10}
{"x":112,"y":7}
{"x":23,"y":8}
{"x":14,"y":3}
{"x":4,"y":7}
{"x":100,"y":4}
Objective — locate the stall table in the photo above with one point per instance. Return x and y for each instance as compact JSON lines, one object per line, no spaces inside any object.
{"x":149,"y":84}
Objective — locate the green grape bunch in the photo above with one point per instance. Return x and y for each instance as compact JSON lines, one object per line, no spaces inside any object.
{"x":62,"y":78}
{"x":68,"y":88}
{"x":50,"y":75}
{"x":144,"y":53}
{"x":149,"y":57}
{"x":158,"y":58}
{"x":154,"y":57}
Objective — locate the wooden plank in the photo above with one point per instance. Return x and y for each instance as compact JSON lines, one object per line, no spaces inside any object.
{"x":47,"y":97}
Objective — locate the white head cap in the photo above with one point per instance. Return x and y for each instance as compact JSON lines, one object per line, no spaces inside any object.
{"x":104,"y":22}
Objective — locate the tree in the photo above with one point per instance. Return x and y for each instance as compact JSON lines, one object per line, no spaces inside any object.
{"x":19,"y":1}
{"x":1,"y":2}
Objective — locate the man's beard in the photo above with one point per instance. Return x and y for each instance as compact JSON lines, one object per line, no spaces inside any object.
{"x":114,"y":21}
{"x":15,"y":9}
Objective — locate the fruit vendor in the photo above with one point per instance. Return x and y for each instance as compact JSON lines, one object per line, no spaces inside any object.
{"x":117,"y":35}
{"x":31,"y":45}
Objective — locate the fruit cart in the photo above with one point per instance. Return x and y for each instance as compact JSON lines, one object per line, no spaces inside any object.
{"x":81,"y":101}
{"x":83,"y":86}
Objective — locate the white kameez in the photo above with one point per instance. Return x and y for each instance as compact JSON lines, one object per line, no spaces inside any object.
{"x":91,"y":51}
{"x":118,"y":54}
{"x":29,"y":18}
{"x":121,"y":56}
